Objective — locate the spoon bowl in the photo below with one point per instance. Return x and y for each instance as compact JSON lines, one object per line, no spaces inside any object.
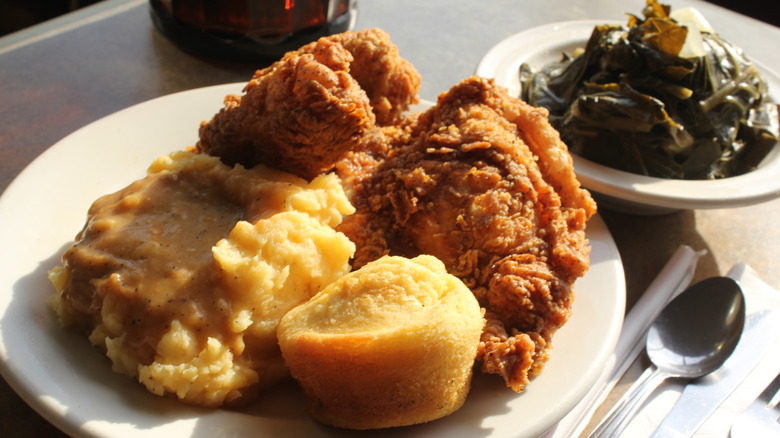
{"x":692,"y":337}
{"x":699,"y":329}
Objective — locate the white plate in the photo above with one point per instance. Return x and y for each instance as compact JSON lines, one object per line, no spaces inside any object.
{"x":618,"y":189}
{"x":71,"y":384}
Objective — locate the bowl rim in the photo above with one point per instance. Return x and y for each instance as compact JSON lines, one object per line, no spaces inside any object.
{"x":759,"y":185}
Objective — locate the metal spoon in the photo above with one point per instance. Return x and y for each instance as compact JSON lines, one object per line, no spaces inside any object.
{"x":692,"y":337}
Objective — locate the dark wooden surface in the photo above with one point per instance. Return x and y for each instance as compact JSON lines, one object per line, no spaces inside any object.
{"x":62,"y":75}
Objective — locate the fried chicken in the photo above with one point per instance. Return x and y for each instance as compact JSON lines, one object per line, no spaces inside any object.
{"x":484,"y":183}
{"x":298,"y":115}
{"x":305,"y":111}
{"x":481,"y":180}
{"x":391,"y":82}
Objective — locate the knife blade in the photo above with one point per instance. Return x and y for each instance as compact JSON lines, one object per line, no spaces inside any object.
{"x":701,"y":398}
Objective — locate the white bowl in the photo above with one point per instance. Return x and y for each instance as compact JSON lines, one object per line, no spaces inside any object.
{"x":616,"y":189}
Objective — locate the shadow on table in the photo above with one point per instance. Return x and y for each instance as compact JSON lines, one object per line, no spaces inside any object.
{"x":646,"y":243}
{"x":758,"y":9}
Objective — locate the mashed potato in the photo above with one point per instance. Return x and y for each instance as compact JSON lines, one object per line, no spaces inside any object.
{"x":183,"y":276}
{"x":391,"y":344}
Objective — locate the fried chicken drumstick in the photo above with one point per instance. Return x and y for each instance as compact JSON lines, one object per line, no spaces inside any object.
{"x":484,"y":183}
{"x":302,"y":113}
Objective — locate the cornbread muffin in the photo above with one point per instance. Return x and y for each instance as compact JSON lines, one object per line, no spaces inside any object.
{"x":182,"y":277}
{"x":391,"y":344}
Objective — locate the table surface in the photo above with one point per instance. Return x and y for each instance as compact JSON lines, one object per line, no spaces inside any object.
{"x":61,"y":75}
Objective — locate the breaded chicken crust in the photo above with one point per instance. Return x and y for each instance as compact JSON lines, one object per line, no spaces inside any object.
{"x":302,"y":113}
{"x":390,"y":81}
{"x":484,"y":183}
{"x":298,"y":115}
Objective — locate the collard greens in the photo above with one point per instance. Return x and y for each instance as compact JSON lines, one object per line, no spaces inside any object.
{"x":631,"y":102}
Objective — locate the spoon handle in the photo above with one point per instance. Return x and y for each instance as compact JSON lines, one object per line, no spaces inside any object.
{"x":621,"y":414}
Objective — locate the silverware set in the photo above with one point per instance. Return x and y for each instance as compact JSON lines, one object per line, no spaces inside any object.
{"x":704,"y":339}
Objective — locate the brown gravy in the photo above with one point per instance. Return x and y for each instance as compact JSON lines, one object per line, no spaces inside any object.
{"x":182,"y":276}
{"x":149,"y":246}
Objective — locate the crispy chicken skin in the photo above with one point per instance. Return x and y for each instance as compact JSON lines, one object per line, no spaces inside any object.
{"x":484,"y":183}
{"x":390,"y":82}
{"x":298,"y":115}
{"x":305,"y":111}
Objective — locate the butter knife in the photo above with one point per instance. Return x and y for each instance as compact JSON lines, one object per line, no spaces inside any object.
{"x":700,"y":399}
